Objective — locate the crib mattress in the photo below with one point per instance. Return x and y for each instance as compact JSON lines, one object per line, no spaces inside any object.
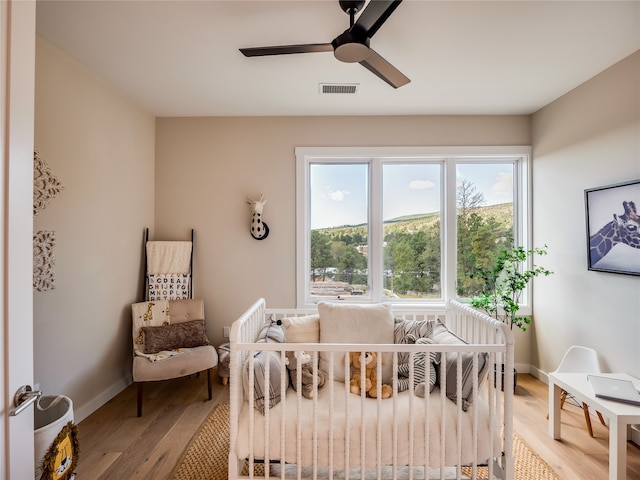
{"x":400,"y":437}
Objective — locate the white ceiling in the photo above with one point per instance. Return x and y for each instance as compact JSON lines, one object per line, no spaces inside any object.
{"x":181,"y":58}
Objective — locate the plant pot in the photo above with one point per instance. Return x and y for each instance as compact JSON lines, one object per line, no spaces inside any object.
{"x":495,"y":380}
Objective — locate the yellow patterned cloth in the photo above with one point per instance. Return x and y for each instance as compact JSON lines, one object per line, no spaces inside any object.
{"x":150,"y":314}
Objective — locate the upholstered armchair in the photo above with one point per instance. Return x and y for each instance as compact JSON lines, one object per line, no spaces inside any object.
{"x":170,"y":341}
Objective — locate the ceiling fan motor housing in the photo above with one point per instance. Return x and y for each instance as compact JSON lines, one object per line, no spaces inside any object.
{"x":350,"y":47}
{"x":348,"y":5}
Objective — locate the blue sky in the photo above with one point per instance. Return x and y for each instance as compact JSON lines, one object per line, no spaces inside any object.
{"x":339,"y":192}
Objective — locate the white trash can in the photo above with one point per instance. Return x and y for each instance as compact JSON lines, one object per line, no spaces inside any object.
{"x":55,"y":437}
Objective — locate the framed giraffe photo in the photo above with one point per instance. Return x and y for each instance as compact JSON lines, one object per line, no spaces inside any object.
{"x":613,"y":228}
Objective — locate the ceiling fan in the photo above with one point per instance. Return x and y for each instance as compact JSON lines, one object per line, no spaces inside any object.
{"x":353,"y":44}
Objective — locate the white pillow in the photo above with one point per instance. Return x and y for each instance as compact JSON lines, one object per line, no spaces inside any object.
{"x":355,"y":323}
{"x":302,"y":329}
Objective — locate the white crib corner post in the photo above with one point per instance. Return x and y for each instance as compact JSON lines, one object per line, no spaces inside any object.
{"x":234,"y":372}
{"x":233,"y":466}
{"x":509,"y":467}
{"x":508,"y":459}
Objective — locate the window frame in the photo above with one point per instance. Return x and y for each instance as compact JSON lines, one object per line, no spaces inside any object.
{"x":376,"y":157}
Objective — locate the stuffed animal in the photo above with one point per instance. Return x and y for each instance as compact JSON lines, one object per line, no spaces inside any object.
{"x":302,"y":360}
{"x":420,"y":366}
{"x":371,"y":376}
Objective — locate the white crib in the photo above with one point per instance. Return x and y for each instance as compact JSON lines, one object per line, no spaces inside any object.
{"x":337,"y":434}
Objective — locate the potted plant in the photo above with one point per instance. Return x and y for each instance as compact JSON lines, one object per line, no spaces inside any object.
{"x":503,"y":284}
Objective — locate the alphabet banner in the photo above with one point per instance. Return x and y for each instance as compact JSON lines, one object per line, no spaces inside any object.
{"x":169,"y":286}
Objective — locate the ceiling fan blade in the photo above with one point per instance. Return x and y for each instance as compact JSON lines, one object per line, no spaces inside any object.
{"x":286,"y":49}
{"x":374,"y":15}
{"x":383,"y":69}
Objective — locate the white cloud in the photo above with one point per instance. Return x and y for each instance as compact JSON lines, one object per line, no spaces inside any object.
{"x":504,"y":185}
{"x":421,"y":184}
{"x":336,"y":195}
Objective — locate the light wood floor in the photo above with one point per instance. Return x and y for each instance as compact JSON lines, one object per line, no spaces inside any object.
{"x":116,"y":444}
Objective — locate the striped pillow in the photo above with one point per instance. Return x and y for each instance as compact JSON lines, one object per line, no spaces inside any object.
{"x":420,"y":365}
{"x":407,"y":331}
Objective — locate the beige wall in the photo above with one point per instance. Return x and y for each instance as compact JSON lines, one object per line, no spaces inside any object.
{"x":101,"y":147}
{"x":206,"y":167}
{"x":199,"y":171}
{"x":587,"y":138}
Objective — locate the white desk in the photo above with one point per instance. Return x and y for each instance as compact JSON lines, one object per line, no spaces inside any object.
{"x":620,"y":415}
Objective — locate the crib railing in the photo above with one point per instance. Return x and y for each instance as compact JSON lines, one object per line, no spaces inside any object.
{"x":483,"y":335}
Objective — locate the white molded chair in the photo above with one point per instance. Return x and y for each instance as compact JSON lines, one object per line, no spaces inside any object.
{"x":579,"y":359}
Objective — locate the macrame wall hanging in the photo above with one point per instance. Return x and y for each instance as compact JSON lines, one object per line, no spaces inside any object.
{"x":46,"y":187}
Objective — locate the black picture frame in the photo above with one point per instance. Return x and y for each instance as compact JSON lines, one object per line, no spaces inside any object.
{"x":613,"y":228}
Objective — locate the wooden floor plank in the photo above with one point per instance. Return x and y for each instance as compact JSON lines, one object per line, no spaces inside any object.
{"x":116,"y":444}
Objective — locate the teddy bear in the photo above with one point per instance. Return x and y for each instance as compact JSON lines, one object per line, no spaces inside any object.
{"x":420,"y":366}
{"x":371,"y":376}
{"x":302,"y":360}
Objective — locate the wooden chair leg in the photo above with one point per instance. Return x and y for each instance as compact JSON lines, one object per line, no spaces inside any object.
{"x":601,"y":419}
{"x":210,"y":382}
{"x":140,"y":398}
{"x":563,"y":398}
{"x":587,"y":418}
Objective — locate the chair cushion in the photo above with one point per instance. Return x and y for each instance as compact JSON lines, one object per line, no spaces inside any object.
{"x":192,"y":361}
{"x":186,"y":310}
{"x":179,"y":335}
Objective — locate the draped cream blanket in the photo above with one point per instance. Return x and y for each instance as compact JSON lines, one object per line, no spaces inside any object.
{"x":169,"y":257}
{"x":301,"y":418}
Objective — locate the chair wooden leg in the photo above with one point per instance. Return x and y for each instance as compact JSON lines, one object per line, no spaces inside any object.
{"x":601,"y":419}
{"x":563,"y":398}
{"x":210,"y":382}
{"x":140,"y":398}
{"x":587,"y":418}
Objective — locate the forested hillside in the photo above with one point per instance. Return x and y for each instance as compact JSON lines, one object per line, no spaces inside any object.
{"x":412,"y":253}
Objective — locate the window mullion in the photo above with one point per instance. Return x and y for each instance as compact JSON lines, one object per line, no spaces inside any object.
{"x":376,"y":232}
{"x":449,"y":231}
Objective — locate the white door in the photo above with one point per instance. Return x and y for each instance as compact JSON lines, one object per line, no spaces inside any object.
{"x":17,"y":77}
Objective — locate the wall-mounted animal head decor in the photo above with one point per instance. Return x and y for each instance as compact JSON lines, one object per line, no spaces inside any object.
{"x":259,"y":229}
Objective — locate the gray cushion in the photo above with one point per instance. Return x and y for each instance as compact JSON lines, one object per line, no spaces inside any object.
{"x":270,"y":333}
{"x":441,"y":334}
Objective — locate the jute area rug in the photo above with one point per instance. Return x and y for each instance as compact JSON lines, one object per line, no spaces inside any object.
{"x":206,"y":457}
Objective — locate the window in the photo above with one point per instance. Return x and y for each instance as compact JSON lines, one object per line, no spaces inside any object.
{"x":405,"y":224}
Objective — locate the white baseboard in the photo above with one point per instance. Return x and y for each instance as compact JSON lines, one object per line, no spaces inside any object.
{"x":82,"y":412}
{"x":539,"y":374}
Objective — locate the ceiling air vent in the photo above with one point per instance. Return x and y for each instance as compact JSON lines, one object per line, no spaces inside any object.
{"x":338,"y":87}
